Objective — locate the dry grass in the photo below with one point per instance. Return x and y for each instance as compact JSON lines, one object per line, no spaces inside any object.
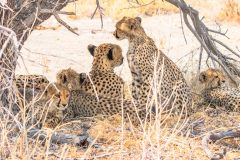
{"x":134,"y":143}
{"x":167,"y":138}
{"x":230,"y":12}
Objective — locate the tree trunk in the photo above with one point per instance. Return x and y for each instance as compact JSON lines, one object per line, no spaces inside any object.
{"x":19,"y":16}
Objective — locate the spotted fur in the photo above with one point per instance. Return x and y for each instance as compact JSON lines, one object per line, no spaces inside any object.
{"x":145,"y":61}
{"x":217,"y":92}
{"x":43,"y":101}
{"x":83,"y":104}
{"x":102,"y":80}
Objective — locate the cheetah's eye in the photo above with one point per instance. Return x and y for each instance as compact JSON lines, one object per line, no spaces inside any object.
{"x":131,"y":27}
{"x":110,"y":54}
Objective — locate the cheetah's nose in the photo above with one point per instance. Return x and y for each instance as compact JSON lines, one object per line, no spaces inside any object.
{"x":64,"y":105}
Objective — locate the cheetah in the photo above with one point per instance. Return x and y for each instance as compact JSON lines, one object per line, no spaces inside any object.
{"x":30,"y":85}
{"x":49,"y":108}
{"x":152,"y":68}
{"x":82,"y":104}
{"x":217,"y":92}
{"x":101,"y":80}
{"x":41,"y":100}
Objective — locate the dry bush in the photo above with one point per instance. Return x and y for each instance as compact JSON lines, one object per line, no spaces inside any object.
{"x":116,"y":9}
{"x":230,"y":12}
{"x":119,"y":8}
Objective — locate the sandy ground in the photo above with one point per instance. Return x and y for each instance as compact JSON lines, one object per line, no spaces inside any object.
{"x":48,"y":51}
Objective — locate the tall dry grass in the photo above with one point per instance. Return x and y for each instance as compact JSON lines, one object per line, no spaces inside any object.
{"x":166,"y":137}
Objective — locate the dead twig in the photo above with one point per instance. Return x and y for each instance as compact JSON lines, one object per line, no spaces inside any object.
{"x":213,"y":137}
{"x":219,"y":32}
{"x":57,"y":17}
{"x":138,"y":4}
{"x":200,"y":60}
{"x":100,"y":10}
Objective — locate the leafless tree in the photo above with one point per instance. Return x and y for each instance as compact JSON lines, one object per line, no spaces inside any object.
{"x":18,"y":18}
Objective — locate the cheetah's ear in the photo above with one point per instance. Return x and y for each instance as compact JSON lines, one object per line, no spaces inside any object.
{"x":82,"y":77}
{"x":110,"y":54}
{"x":139,"y":19}
{"x":203,"y":77}
{"x":91,"y":49}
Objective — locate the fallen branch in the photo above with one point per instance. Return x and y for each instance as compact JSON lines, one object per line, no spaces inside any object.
{"x":213,"y":137}
{"x":61,"y":138}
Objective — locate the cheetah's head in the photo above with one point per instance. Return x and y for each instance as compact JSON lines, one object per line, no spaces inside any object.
{"x":106,"y":56}
{"x":212,"y":78}
{"x":57,"y":96}
{"x":69,"y":78}
{"x":129,"y":28}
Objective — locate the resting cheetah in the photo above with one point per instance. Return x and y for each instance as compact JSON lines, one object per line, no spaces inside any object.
{"x":217,"y":92}
{"x":30,"y":85}
{"x":101,"y":80}
{"x":43,"y":101}
{"x":83,"y":104}
{"x":145,"y":61}
{"x":50,"y":107}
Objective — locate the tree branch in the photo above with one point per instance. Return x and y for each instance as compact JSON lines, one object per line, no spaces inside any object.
{"x":100,"y":10}
{"x":201,"y":32}
{"x":213,"y":137}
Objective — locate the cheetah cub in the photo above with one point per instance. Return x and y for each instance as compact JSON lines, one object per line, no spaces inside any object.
{"x":217,"y":92}
{"x":101,"y":80}
{"x":43,"y":102}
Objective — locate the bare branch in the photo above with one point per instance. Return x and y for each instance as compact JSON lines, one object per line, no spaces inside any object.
{"x":60,"y":138}
{"x":138,"y":5}
{"x":228,"y":48}
{"x":64,"y":23}
{"x":182,"y":27}
{"x":201,"y":32}
{"x":213,"y":137}
{"x":219,"y":32}
{"x":100,"y":10}
{"x":200,"y":59}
